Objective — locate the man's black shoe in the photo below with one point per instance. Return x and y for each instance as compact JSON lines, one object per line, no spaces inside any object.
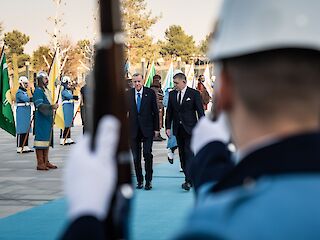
{"x":170,"y":160}
{"x":186,"y":186}
{"x":157,"y":139}
{"x":139,"y":186}
{"x":162,"y":138}
{"x":148,"y":186}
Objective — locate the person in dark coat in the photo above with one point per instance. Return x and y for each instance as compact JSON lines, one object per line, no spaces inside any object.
{"x":205,"y":97}
{"x":156,"y":87}
{"x":183,"y":112}
{"x":144,"y":124}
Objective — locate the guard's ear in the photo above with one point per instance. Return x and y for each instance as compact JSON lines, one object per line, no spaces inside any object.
{"x":225,"y":91}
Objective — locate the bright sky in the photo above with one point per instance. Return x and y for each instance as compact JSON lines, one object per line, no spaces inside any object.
{"x":31,"y":17}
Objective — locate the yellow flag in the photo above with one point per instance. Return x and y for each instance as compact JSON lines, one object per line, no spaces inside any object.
{"x":59,"y":118}
{"x":54,"y":74}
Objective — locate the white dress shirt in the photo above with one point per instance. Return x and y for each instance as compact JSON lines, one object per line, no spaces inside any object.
{"x":136,"y":95}
{"x":183,"y":91}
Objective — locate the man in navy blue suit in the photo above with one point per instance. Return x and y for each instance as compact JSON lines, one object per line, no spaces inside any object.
{"x":144,"y":123}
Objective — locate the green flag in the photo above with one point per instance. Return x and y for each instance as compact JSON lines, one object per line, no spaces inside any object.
{"x":150,"y":75}
{"x":6,"y":115}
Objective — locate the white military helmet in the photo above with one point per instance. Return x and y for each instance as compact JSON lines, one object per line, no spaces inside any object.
{"x":42,"y":74}
{"x":66,"y":79}
{"x":23,"y":79}
{"x":250,"y":26}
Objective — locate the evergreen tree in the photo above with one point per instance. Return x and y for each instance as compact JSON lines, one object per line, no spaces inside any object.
{"x":38,"y":58}
{"x":136,"y":23}
{"x":15,"y":42}
{"x":177,"y":43}
{"x":204,"y":44}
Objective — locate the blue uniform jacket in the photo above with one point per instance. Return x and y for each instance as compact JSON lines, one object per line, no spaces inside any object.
{"x":68,"y":107}
{"x":23,"y":111}
{"x":273,"y":193}
{"x":43,"y":119}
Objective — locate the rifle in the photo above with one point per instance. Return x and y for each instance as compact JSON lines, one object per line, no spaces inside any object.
{"x":109,"y":98}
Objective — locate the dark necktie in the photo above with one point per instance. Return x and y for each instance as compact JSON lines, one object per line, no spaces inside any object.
{"x":179,"y":97}
{"x":138,"y":101}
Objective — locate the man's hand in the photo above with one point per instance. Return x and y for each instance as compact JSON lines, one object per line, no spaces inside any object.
{"x":90,"y":176}
{"x":168,"y":132}
{"x":55,"y":106}
{"x":207,"y":131}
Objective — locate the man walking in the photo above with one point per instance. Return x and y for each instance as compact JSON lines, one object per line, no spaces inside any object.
{"x":144,"y":122}
{"x":184,"y":110}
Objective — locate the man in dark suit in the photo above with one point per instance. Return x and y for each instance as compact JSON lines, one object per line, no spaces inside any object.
{"x":144,"y":123}
{"x":184,"y":110}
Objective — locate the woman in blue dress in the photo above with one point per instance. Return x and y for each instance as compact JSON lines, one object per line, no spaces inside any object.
{"x":23,"y":116}
{"x":43,"y":121}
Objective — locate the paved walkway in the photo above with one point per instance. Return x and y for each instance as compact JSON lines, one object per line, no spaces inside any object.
{"x":22,"y":187}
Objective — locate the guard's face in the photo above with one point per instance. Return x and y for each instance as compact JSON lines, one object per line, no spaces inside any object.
{"x":25,"y":84}
{"x":137,"y":82}
{"x":45,"y":81}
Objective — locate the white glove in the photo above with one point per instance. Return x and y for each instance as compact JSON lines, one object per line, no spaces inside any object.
{"x":90,"y":177}
{"x":207,"y":131}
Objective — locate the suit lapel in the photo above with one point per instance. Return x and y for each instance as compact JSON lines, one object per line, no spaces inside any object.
{"x":175,"y":96}
{"x":143,"y":99}
{"x":133,"y":99}
{"x":186,"y":95}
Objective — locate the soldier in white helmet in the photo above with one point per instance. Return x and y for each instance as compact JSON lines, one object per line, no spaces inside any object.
{"x":68,"y":110}
{"x":23,"y":116}
{"x":267,"y":60}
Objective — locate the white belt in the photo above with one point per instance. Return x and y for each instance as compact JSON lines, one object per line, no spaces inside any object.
{"x":23,"y":104}
{"x":67,"y":101}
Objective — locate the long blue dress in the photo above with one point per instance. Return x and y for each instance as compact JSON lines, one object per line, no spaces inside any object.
{"x":43,"y":118}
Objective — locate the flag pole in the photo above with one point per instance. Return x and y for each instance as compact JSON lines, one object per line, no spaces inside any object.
{"x":2,"y":50}
{"x":27,"y":135}
{"x":65,"y":138}
{"x":1,"y":55}
{"x":54,"y":116}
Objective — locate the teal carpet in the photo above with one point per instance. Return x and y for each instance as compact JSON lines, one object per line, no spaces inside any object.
{"x":156,"y":214}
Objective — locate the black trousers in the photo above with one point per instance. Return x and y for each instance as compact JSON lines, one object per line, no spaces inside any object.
{"x":20,"y":139}
{"x":64,"y":133}
{"x":136,"y":148}
{"x":185,"y":153}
